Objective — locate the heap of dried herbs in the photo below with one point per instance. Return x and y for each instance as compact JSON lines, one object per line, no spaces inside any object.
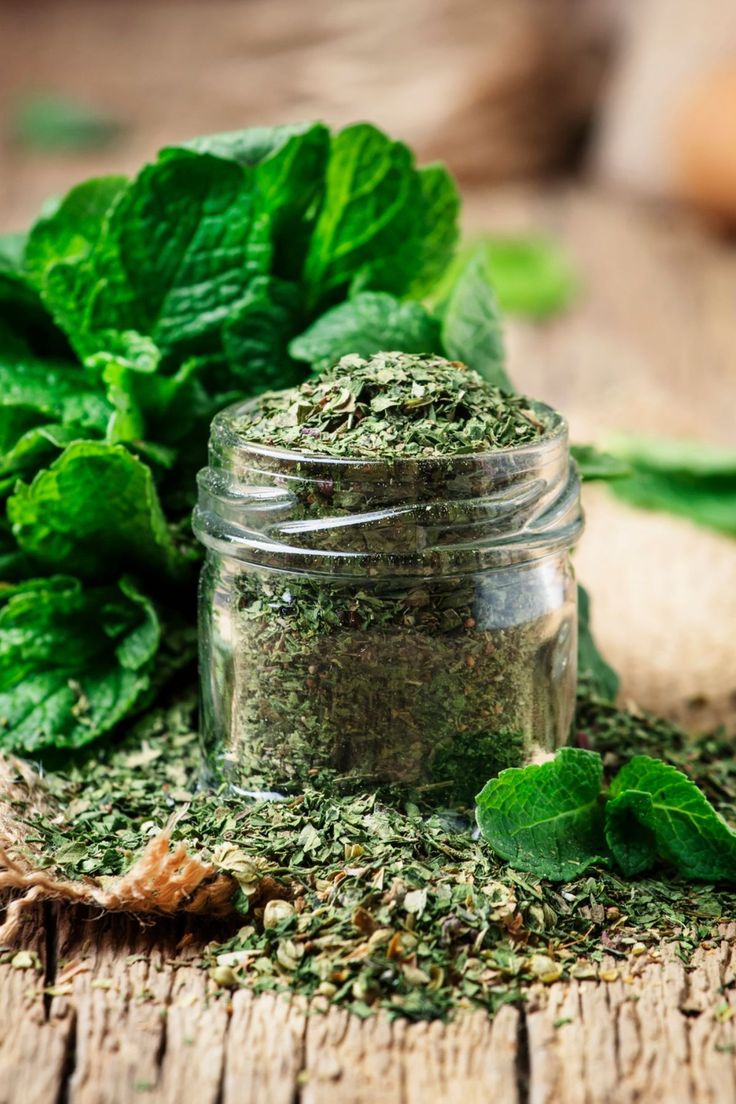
{"x":376,"y":900}
{"x":400,"y":608}
{"x":393,"y":404}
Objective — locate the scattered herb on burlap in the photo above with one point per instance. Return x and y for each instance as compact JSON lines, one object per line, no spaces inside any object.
{"x":374,"y":900}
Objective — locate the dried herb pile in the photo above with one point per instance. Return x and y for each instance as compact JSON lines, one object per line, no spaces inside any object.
{"x":376,"y":900}
{"x":390,"y":405}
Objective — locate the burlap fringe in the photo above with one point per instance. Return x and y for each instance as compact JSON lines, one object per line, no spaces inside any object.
{"x":165,"y":880}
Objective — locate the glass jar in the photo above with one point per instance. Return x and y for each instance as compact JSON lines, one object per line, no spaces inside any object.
{"x":399,"y":620}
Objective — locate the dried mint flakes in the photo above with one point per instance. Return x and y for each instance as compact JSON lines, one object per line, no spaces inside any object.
{"x":392,"y":904}
{"x":393,"y":405}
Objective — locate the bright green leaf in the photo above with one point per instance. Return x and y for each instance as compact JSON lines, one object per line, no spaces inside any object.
{"x":471,"y":323}
{"x":94,"y":512}
{"x":593,"y":464}
{"x":531,"y":275}
{"x":594,"y":673}
{"x":655,"y":810}
{"x":369,"y":225}
{"x":369,"y":323}
{"x":693,"y":480}
{"x":256,"y":336}
{"x":289,"y":164}
{"x":69,"y":234}
{"x":547,"y":818}
{"x":440,"y":231}
{"x":73,"y":662}
{"x":38,"y":392}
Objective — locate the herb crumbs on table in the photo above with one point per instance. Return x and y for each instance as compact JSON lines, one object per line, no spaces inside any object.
{"x":376,"y":900}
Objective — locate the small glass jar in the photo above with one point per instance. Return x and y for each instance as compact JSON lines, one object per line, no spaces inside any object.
{"x":398,"y":620}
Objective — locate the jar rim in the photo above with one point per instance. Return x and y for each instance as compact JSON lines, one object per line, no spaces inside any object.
{"x":443,"y":514}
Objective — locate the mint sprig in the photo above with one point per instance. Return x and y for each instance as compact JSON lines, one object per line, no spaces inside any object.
{"x":547,"y":818}
{"x":555,"y":819}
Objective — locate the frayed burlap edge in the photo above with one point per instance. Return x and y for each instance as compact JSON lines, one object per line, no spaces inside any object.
{"x":165,"y":880}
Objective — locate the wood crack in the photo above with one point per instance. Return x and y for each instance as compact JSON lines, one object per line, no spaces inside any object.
{"x":523,"y":1058}
{"x":50,"y":957}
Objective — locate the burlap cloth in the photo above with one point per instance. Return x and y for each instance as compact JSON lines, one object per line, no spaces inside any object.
{"x":165,"y":880}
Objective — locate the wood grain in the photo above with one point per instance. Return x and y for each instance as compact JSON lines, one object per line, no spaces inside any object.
{"x":136,"y":1019}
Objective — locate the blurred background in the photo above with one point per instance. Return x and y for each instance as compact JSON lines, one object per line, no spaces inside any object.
{"x":594,"y":141}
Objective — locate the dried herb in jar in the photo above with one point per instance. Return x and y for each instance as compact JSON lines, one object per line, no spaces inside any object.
{"x":399,"y":608}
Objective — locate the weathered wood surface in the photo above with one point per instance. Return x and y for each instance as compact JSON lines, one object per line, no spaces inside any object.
{"x":128,"y":1016}
{"x":651,"y":345}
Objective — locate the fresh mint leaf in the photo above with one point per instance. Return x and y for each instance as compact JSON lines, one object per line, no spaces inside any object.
{"x":73,"y":661}
{"x":594,"y":672}
{"x":694,"y":480}
{"x":51,"y":122}
{"x":532,"y":276}
{"x":177,"y":251}
{"x":33,"y":450}
{"x":152,"y":410}
{"x":289,"y":165}
{"x":371,"y":322}
{"x":249,"y":147}
{"x":471,"y":323}
{"x":34,"y":392}
{"x":12,"y":249}
{"x":593,"y":464}
{"x":70,"y":232}
{"x":370,"y":222}
{"x":546,"y":818}
{"x":94,"y":512}
{"x":633,"y":844}
{"x":656,"y":811}
{"x":26,"y":327}
{"x":256,"y":336}
{"x":440,"y":231}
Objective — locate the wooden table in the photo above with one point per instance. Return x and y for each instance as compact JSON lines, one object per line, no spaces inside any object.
{"x":128,"y":1016}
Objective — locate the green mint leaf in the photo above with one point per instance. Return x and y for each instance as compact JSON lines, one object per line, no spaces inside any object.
{"x":547,"y":818}
{"x":35,"y":449}
{"x":256,"y":337}
{"x":532,"y":276}
{"x":655,"y":810}
{"x":471,"y":323}
{"x":633,"y":844}
{"x":44,"y":406}
{"x":26,"y":326}
{"x":598,"y":677}
{"x":593,"y":464}
{"x":52,"y":122}
{"x":249,"y":147}
{"x":70,"y":232}
{"x":370,"y":223}
{"x":171,"y":271}
{"x":691,"y":479}
{"x":12,"y":249}
{"x":440,"y":231}
{"x":371,"y":322}
{"x":73,"y":661}
{"x":93,"y":512}
{"x":151,"y":407}
{"x":289,"y":164}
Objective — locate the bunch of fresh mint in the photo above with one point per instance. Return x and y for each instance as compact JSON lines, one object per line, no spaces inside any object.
{"x":555,"y":820}
{"x":130,"y":313}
